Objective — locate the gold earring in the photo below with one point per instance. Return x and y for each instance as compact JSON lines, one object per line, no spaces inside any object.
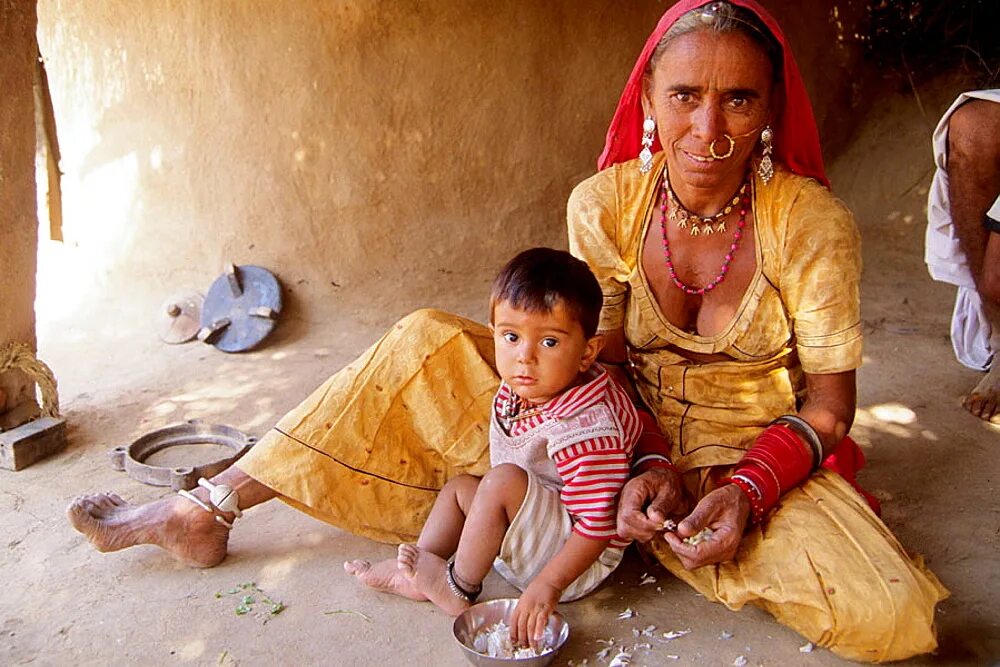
{"x":646,"y":154}
{"x":766,"y":167}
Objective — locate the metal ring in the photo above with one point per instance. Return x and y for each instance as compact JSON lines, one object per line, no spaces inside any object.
{"x":732,"y":147}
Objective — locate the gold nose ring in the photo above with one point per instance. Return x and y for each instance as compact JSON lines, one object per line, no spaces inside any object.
{"x":732,"y":147}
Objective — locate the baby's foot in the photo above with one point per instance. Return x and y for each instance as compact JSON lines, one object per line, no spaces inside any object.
{"x":429,"y":572}
{"x":384,"y":576}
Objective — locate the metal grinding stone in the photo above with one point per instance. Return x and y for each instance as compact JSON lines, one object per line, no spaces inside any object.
{"x":180,"y":317}
{"x":241,"y":308}
{"x":132,"y":458}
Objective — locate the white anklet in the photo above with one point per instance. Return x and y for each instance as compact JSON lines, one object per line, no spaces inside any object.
{"x":224,"y":497}
{"x":184,"y":493}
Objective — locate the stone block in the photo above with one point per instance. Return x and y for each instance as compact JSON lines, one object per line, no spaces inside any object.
{"x":32,"y":442}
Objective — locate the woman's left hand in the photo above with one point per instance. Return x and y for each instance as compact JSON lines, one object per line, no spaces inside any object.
{"x":531,"y":615}
{"x":726,"y":511}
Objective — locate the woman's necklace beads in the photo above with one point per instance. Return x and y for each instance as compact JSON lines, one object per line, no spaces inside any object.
{"x":696,"y":224}
{"x":744,"y":201}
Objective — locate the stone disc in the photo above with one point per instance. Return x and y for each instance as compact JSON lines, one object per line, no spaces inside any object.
{"x":241,"y":308}
{"x":180,"y":317}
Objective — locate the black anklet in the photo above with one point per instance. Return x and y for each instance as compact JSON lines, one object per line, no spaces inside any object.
{"x":458,"y":589}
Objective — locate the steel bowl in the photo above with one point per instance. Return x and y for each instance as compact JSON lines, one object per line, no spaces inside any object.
{"x":480,"y":616}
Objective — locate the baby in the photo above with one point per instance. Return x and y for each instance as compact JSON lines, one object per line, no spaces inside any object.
{"x":561,"y":439}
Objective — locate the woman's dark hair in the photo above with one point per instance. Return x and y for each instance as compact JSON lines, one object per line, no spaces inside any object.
{"x":538,"y":279}
{"x":723,"y":17}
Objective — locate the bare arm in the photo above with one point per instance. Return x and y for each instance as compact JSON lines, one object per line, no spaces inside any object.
{"x":831,"y":401}
{"x":539,"y":600}
{"x":653,"y":494}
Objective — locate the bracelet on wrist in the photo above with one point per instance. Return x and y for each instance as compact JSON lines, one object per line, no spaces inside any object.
{"x":991,"y":225}
{"x":753,"y":495}
{"x":650,"y":461}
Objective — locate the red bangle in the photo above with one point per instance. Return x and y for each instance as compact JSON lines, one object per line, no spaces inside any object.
{"x":778,"y":462}
{"x":756,"y":504}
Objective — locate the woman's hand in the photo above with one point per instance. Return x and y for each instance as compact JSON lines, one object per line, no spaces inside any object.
{"x":725,"y":510}
{"x":647,"y":500}
{"x":531,"y":615}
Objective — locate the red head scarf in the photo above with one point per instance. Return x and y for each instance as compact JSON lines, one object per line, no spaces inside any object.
{"x":796,"y":140}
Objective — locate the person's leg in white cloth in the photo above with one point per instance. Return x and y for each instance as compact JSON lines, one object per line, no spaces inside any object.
{"x":973,"y":166}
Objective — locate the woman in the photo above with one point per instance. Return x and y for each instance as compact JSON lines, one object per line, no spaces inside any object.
{"x":725,"y":332}
{"x":721,"y":333}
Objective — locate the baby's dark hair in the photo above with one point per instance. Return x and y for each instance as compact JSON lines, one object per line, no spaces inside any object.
{"x":537,"y":279}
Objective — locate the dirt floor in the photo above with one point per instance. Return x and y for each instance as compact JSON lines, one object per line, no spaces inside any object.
{"x":934,"y":467}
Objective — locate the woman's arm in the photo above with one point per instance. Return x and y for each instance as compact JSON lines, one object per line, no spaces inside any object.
{"x":830,"y":405}
{"x":829,"y":409}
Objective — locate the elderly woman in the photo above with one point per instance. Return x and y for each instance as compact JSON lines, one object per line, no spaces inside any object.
{"x":730,"y":276}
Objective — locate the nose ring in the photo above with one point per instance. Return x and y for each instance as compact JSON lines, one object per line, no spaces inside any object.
{"x":732,"y":147}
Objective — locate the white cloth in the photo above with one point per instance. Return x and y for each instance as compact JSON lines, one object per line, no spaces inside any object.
{"x":537,"y":533}
{"x":970,"y":329}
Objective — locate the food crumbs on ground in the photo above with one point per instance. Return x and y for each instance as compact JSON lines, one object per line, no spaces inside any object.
{"x":623,"y":659}
{"x":628,"y":613}
{"x":495,"y":642}
{"x":808,"y":648}
{"x":347,"y":611}
{"x":647,"y":579}
{"x":740,"y":661}
{"x":726,"y":634}
{"x":675,"y":634}
{"x":701,"y":536}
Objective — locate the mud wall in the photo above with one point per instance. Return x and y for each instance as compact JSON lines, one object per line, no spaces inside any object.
{"x":365,"y":147}
{"x":18,"y":225}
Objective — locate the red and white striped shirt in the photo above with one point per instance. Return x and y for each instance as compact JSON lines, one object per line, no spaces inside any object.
{"x":592,"y":459}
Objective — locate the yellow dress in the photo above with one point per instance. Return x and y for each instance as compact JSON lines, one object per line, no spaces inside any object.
{"x":370,"y":448}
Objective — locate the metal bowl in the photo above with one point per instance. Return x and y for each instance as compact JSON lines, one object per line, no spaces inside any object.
{"x":480,"y":616}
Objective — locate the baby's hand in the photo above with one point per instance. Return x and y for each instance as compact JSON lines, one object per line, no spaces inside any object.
{"x":531,"y":615}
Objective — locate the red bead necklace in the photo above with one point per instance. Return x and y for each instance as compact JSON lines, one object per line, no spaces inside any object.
{"x":737,"y":235}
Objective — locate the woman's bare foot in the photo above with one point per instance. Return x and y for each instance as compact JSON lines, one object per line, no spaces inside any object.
{"x":174,"y":524}
{"x":982,"y":401}
{"x":429,"y":572}
{"x":384,"y":576}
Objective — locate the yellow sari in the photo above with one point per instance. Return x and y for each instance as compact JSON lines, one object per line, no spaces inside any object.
{"x":370,"y":448}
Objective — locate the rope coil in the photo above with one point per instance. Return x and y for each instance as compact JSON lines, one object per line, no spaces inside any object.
{"x":19,"y":356}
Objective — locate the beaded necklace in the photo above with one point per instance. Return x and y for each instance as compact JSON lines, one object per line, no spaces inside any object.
{"x":665,"y":196}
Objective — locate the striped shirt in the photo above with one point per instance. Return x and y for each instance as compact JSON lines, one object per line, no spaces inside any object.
{"x":592,"y":463}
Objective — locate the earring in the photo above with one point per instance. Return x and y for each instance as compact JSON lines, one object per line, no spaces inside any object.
{"x":766,"y":168}
{"x":646,"y":154}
